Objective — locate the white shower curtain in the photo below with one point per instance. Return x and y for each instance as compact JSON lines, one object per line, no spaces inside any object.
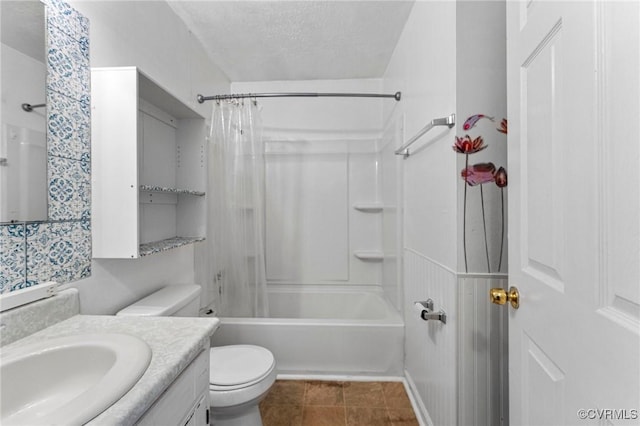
{"x":236,"y":208}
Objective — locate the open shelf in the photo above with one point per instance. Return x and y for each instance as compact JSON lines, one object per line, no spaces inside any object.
{"x":160,"y":189}
{"x":147,"y":249}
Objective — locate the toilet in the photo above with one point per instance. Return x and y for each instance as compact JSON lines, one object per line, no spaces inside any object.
{"x":240,"y":376}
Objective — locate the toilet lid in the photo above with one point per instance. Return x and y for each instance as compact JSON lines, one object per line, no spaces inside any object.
{"x":237,"y":364}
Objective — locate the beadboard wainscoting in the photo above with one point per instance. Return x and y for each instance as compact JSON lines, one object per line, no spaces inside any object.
{"x":457,"y":370}
{"x":430,"y":346}
{"x":482,"y":352}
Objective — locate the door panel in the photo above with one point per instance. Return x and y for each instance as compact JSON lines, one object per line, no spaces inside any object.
{"x":574,"y":207}
{"x":545,"y":381}
{"x":620,"y":296}
{"x":542,"y":180}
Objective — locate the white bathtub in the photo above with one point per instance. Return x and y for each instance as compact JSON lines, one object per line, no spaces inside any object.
{"x":324,"y":330}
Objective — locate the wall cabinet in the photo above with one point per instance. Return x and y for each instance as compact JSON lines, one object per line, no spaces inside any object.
{"x":148,"y":166}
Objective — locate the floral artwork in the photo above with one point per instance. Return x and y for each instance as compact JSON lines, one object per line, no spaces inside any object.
{"x":501,"y":182}
{"x":471,"y":121}
{"x":466,"y":145}
{"x":477,"y":175}
{"x":503,"y":126}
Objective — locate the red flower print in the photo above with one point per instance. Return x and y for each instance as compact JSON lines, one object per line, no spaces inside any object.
{"x":501,"y":177}
{"x":479,"y":173}
{"x":501,"y":182}
{"x":503,"y":126}
{"x":473,"y":176}
{"x":466,"y":145}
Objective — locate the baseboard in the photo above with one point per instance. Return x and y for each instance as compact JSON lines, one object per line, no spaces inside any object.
{"x":418,"y":407}
{"x":340,"y":377}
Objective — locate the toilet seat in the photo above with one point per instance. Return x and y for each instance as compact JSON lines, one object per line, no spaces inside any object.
{"x":239,"y":377}
{"x":238,"y":366}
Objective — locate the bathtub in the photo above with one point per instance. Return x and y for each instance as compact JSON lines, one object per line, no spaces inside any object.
{"x":324,"y":330}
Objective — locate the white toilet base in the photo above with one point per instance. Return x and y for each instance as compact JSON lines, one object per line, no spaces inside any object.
{"x":239,"y":407}
{"x":250,"y":417}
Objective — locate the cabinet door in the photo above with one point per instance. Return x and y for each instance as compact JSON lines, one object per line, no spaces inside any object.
{"x":199,"y":416}
{"x":114,"y":165}
{"x":181,"y":404}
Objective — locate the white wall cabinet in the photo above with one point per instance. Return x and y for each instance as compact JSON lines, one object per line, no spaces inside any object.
{"x":148,"y":166}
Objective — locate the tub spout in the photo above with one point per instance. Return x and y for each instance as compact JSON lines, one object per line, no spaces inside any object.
{"x":440,"y":316}
{"x":427,"y":313}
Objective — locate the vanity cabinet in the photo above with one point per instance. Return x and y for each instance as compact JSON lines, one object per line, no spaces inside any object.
{"x":186,"y":401}
{"x":148,"y":166}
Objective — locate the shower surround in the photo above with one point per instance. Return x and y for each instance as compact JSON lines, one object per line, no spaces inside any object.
{"x":331,"y":234}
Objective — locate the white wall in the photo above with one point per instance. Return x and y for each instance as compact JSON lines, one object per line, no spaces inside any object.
{"x":148,"y":35}
{"x":481,"y":89}
{"x":423,"y":67}
{"x":322,"y":159}
{"x":445,"y":63}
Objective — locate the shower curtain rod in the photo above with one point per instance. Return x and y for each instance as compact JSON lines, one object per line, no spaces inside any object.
{"x":201,"y":98}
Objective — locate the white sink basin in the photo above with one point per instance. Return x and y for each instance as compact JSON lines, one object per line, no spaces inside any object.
{"x":68,"y":380}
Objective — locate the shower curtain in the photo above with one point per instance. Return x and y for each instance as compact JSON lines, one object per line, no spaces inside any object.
{"x":236,"y":209}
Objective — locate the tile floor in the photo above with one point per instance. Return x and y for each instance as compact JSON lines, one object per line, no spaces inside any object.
{"x":323,"y":403}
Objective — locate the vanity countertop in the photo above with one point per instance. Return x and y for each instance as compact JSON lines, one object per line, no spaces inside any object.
{"x":174,"y":342}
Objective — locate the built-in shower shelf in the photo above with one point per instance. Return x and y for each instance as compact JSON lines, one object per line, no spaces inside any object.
{"x":369,"y":207}
{"x":160,"y":189}
{"x":147,"y":249}
{"x":369,"y":256}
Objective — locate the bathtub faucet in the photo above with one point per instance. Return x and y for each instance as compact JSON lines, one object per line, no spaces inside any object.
{"x":425,"y":309}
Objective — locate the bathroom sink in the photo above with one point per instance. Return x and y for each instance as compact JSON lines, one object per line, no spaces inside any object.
{"x":68,"y":380}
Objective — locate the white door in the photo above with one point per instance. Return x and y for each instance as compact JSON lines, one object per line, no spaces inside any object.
{"x":574,"y":211}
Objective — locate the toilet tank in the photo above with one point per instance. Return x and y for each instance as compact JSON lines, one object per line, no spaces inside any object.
{"x":179,"y":300}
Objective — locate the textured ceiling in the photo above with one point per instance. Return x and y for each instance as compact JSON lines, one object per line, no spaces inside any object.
{"x":297,"y":40}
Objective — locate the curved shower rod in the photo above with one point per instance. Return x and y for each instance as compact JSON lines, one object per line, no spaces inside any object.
{"x":201,"y":98}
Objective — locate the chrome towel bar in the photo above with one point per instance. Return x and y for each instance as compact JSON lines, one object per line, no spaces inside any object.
{"x":449,"y":121}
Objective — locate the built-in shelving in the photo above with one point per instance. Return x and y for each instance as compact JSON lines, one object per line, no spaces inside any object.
{"x":147,"y":249}
{"x":148,"y":166}
{"x":160,"y":189}
{"x":369,"y":255}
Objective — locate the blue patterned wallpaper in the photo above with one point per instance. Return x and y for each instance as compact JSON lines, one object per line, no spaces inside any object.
{"x":60,"y":248}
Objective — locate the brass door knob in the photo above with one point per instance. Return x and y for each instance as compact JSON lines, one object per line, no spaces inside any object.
{"x":500,"y":296}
